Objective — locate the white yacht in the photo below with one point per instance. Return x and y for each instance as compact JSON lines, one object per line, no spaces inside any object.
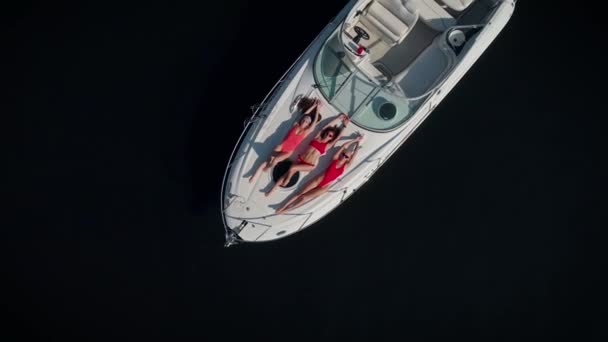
{"x":385,"y":63}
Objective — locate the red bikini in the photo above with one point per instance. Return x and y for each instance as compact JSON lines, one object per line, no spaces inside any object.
{"x":317,"y":145}
{"x":302,"y":161}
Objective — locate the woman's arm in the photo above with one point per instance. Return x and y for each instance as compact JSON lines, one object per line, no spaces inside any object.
{"x":345,"y":120}
{"x":354,"y":155}
{"x":314,"y":105}
{"x":345,"y":146}
{"x":341,"y":118}
{"x":315,"y":117}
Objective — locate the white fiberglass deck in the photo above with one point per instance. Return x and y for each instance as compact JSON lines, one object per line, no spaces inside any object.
{"x":387,"y":93}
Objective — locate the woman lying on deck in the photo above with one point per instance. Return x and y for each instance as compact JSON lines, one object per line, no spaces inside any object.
{"x":322,"y":142}
{"x":296,"y":134}
{"x":320,"y":184}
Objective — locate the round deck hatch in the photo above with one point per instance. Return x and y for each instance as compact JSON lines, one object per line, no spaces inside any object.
{"x":387,"y":111}
{"x":280,"y":169}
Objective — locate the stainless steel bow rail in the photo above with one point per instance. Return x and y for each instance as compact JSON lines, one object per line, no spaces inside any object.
{"x":231,"y":237}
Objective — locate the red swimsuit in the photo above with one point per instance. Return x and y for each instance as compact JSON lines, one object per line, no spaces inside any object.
{"x":331,"y":173}
{"x":292,"y":140}
{"x":317,"y":145}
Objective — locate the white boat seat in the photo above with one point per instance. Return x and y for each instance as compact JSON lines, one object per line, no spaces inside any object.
{"x":458,"y":5}
{"x":433,"y":14}
{"x":388,"y":19}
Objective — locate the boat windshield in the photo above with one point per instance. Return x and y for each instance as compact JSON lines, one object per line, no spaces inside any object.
{"x":374,"y":105}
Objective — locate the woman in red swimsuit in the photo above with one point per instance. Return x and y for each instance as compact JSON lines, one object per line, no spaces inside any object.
{"x":322,"y":142}
{"x":320,"y":184}
{"x":296,"y":134}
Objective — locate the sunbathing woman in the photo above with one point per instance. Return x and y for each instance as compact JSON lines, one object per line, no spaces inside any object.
{"x":296,"y":134}
{"x":320,"y":184}
{"x":323,"y":141}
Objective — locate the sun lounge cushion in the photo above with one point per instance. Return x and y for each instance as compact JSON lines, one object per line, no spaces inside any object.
{"x":425,"y":71}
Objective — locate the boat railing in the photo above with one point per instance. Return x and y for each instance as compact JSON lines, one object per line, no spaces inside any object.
{"x":229,"y":234}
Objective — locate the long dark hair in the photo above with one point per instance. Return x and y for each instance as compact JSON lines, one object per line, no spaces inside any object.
{"x":334,"y":129}
{"x":305,"y":103}
{"x":312,"y":117}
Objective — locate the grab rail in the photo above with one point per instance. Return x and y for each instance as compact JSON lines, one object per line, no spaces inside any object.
{"x":229,"y":234}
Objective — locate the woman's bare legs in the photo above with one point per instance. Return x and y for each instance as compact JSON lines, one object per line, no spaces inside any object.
{"x":274,"y":160}
{"x":303,"y":198}
{"x":276,"y":157}
{"x":287,"y":176}
{"x":295,"y":168}
{"x":311,"y":185}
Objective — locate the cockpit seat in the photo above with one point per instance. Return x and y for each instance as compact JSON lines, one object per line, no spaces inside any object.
{"x":390,"y":20}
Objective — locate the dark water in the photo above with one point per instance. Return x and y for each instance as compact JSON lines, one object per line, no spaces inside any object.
{"x":483,"y":226}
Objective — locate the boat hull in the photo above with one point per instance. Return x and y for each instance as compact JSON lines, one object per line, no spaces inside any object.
{"x":248,"y":214}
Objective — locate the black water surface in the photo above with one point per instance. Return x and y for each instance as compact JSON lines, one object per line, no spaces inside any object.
{"x":484,"y":226}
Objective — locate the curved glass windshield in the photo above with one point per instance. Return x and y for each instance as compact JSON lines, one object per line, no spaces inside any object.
{"x":332,"y":67}
{"x":374,"y":106}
